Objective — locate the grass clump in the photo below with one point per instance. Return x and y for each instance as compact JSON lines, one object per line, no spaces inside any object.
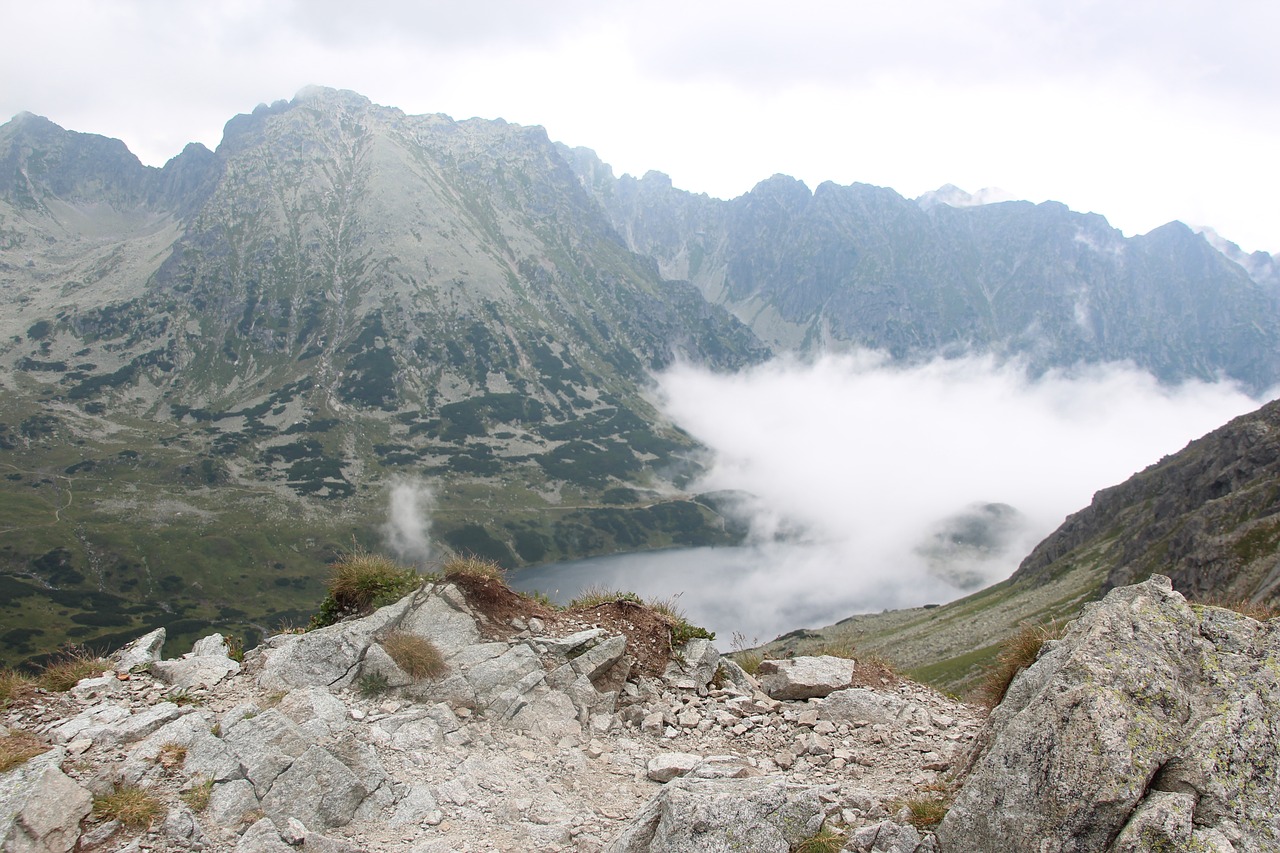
{"x":129,"y":804}
{"x":1016,"y":654}
{"x":417,"y":656}
{"x":928,"y":810}
{"x":197,"y":796}
{"x":836,"y":650}
{"x":18,"y":748}
{"x":682,"y":630}
{"x":826,"y":840}
{"x":594,"y":596}
{"x":360,"y":582}
{"x":64,"y":672}
{"x":746,"y":654}
{"x":14,"y":685}
{"x":473,"y":567}
{"x":171,"y":755}
{"x":1259,"y":610}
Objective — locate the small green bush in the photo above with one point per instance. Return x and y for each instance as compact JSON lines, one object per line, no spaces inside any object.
{"x":473,"y":567}
{"x":594,"y":596}
{"x":927,"y":811}
{"x":417,"y":656}
{"x":197,"y":796}
{"x":373,"y":685}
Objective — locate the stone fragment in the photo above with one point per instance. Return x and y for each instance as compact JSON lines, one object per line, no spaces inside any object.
{"x":194,"y":673}
{"x":317,"y":789}
{"x":859,"y":705}
{"x":695,"y":665}
{"x":805,"y":677}
{"x":262,"y":837}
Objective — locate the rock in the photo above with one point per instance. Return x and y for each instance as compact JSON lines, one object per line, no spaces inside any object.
{"x":695,"y":665}
{"x":378,"y":664}
{"x":230,"y":801}
{"x":805,"y":677}
{"x":1144,"y":697}
{"x":200,"y":672}
{"x":317,"y":789}
{"x":143,"y":651}
{"x":566,"y":646}
{"x":327,"y":657}
{"x":40,"y":806}
{"x":440,"y":614}
{"x":860,"y":705}
{"x":266,"y":744}
{"x":887,"y":837}
{"x":763,"y":815}
{"x":315,"y":710}
{"x":417,"y":807}
{"x":262,"y":837}
{"x":551,"y":717}
{"x":214,"y":645}
{"x":666,"y":766}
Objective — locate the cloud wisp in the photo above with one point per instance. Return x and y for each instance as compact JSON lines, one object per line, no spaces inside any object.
{"x":406,"y":532}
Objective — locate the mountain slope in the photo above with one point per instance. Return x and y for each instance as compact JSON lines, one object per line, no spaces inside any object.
{"x":1207,"y":516}
{"x":861,"y":265}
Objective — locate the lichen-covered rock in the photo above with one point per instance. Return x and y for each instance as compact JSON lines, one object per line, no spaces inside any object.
{"x":1144,"y":698}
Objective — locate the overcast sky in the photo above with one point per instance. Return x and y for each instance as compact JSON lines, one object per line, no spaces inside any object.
{"x":1143,"y":111}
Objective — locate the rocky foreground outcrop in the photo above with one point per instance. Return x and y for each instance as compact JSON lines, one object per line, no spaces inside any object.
{"x":1150,"y":726}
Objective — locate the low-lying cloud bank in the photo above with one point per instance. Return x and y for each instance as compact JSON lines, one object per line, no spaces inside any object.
{"x":912,"y":484}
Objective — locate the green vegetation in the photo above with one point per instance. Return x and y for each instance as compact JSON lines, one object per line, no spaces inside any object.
{"x":132,"y":806}
{"x":14,"y":685}
{"x":928,"y":809}
{"x":197,"y":796}
{"x":417,"y":656}
{"x":361,"y":582}
{"x":372,"y":685}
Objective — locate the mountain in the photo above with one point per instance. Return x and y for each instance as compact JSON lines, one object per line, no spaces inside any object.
{"x":861,"y":265}
{"x":1208,"y":517}
{"x":213,"y":370}
{"x":217,"y":375}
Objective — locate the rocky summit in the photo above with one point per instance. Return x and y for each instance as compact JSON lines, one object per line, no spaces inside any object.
{"x":1150,"y":726}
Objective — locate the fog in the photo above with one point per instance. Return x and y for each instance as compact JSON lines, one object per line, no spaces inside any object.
{"x":878,"y":485}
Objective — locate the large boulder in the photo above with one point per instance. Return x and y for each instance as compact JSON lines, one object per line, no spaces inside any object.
{"x":763,"y":815}
{"x":1152,"y":725}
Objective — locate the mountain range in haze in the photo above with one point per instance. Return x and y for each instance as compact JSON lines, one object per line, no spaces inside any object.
{"x":213,"y":373}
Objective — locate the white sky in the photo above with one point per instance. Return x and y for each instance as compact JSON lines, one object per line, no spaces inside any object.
{"x":1144,"y":111}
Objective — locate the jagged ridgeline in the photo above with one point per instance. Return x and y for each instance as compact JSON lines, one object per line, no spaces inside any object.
{"x":212,"y":373}
{"x":213,"y":370}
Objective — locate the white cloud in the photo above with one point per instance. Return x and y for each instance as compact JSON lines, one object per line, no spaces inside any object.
{"x":871,"y":458}
{"x":406,"y":532}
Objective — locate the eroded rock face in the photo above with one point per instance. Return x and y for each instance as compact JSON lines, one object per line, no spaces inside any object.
{"x":1151,"y":725}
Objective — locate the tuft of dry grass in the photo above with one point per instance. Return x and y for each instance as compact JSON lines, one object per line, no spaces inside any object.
{"x":63,"y":673}
{"x":827,"y":840}
{"x":1017,"y":653}
{"x":129,"y":804}
{"x":928,"y":810}
{"x":473,"y":567}
{"x":1260,"y":610}
{"x":14,"y":685}
{"x":171,"y":755}
{"x":417,"y":656}
{"x":18,"y":748}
